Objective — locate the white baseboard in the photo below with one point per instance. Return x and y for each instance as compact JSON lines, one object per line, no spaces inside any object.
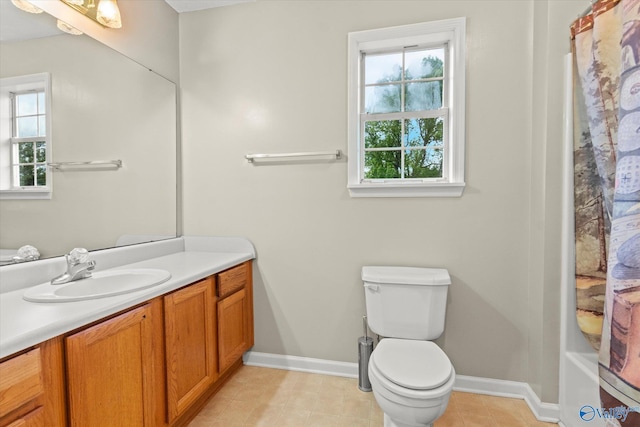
{"x":303,"y":364}
{"x":548,"y":412}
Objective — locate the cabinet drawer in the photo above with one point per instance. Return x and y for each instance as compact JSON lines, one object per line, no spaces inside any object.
{"x":232,"y":280}
{"x":32,"y":419}
{"x":20,"y":381}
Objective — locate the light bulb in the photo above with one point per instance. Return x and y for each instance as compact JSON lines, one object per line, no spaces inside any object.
{"x":63,"y":26}
{"x":109,"y":14}
{"x":26,"y":6}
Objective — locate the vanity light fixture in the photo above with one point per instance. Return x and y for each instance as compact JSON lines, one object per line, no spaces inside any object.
{"x":63,"y":26}
{"x":26,"y":6}
{"x":104,"y":12}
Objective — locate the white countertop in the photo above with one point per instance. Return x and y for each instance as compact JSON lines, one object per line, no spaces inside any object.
{"x":24,"y":324}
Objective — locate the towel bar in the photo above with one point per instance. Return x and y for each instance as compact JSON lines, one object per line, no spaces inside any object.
{"x":97,"y":163}
{"x":251,"y":157}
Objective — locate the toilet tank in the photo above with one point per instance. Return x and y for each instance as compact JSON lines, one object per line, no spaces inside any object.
{"x":406,"y":302}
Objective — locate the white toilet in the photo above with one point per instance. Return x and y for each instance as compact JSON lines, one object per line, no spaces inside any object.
{"x":411,"y":377}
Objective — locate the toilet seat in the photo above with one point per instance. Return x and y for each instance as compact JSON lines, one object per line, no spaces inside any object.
{"x":412,"y":364}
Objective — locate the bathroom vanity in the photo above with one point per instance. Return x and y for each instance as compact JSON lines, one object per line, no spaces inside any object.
{"x":148,"y":358}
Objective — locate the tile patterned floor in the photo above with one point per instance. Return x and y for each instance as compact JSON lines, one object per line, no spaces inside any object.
{"x":275,"y":398}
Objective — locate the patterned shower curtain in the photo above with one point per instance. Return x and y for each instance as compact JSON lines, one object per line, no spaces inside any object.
{"x":606,"y":48}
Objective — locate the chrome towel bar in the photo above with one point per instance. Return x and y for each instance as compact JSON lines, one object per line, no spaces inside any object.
{"x":89,"y":164}
{"x":251,"y":157}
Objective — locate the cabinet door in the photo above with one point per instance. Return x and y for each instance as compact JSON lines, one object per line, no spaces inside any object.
{"x":233,"y":328}
{"x":190,"y":333}
{"x":112,"y":371}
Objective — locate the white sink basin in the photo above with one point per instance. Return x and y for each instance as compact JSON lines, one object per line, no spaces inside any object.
{"x":100,"y":285}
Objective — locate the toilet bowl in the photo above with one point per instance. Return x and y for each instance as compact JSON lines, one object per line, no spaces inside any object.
{"x":411,"y":381}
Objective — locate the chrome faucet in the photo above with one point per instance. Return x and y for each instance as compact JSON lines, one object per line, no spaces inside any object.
{"x":78,"y":267}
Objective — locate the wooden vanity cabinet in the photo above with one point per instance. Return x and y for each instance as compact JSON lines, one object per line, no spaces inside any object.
{"x":235,"y":314}
{"x":115,"y":370}
{"x":191,"y":347}
{"x":32,"y":387}
{"x":154,"y":365}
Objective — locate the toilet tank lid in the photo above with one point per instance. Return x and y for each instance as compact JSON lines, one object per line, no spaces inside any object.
{"x":406,"y":275}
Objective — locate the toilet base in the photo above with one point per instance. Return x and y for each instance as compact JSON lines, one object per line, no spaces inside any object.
{"x":388,"y":422}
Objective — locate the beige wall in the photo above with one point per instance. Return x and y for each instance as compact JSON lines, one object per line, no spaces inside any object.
{"x":271,"y":77}
{"x":550,"y":44}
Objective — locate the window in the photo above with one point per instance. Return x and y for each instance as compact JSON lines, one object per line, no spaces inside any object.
{"x":406,"y":110}
{"x":25,"y":140}
{"x":28,"y":144}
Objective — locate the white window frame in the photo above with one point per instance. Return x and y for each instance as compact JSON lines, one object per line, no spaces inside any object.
{"x":450,"y":33}
{"x":19,"y":84}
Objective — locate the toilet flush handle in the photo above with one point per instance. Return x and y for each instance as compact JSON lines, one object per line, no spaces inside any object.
{"x":374,"y":288}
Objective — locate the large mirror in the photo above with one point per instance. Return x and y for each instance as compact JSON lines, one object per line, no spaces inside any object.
{"x":104,"y":107}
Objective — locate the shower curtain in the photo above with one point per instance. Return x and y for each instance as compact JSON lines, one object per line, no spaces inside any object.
{"x":606,"y":48}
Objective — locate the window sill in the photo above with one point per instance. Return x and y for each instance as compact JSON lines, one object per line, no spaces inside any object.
{"x":447,"y":189}
{"x":25,"y":194}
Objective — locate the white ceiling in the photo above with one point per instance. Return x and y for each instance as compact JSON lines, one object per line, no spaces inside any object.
{"x":191,"y":5}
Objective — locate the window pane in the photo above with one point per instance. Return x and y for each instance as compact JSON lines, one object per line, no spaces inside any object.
{"x":27,"y":104}
{"x":423,"y":96}
{"x":26,"y":176}
{"x":382,"y":99}
{"x":41,"y":175}
{"x":383,"y":134}
{"x":27,"y":126}
{"x":382,"y":164}
{"x":41,"y":104}
{"x":25,"y":152}
{"x":382,"y":68}
{"x":424,"y":64}
{"x":423,"y":132}
{"x":42,"y":125}
{"x":41,"y":152}
{"x":420,"y":163}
